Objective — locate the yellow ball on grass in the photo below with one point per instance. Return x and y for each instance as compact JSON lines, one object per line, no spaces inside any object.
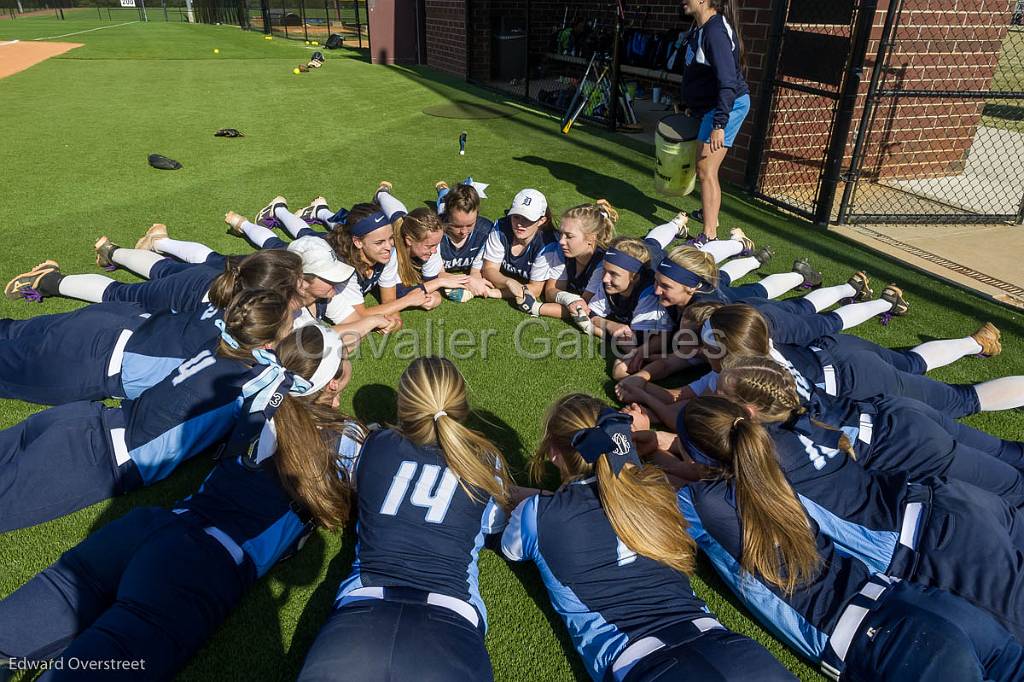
{"x":296,"y":71}
{"x":216,"y":50}
{"x":315,"y":43}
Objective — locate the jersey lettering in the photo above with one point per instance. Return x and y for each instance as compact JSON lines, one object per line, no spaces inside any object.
{"x":433,"y":496}
{"x":208,"y":313}
{"x":625,"y":554}
{"x":193,"y":366}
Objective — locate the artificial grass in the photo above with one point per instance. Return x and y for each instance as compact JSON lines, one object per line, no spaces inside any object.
{"x":73,"y":148}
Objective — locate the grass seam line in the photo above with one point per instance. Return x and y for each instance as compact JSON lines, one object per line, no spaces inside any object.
{"x":90,"y":30}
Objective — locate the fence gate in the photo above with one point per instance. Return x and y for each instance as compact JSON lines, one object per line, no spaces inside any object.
{"x":941,"y":139}
{"x":809,"y":101}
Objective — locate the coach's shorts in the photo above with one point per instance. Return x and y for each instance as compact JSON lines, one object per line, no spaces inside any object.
{"x":740,"y":109}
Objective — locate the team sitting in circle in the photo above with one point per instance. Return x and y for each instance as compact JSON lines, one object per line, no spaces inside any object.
{"x":826,"y":478}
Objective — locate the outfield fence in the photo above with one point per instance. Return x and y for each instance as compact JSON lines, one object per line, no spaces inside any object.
{"x":306,"y":20}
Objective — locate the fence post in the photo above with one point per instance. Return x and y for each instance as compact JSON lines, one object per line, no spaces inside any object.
{"x":284,"y":18}
{"x":327,"y":15}
{"x":613,"y":91}
{"x":302,"y":16}
{"x":832,"y":170}
{"x":359,"y":24}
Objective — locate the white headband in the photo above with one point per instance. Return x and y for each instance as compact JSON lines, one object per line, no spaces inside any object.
{"x":330,"y":362}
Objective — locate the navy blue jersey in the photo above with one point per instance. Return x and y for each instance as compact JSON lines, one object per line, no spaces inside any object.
{"x":244,"y":499}
{"x":805,"y":618}
{"x":368,"y":284}
{"x":469,"y":256}
{"x":183,"y":291}
{"x":608,"y":595}
{"x":417,"y":525}
{"x":160,"y":344}
{"x":534,"y":263}
{"x":576,"y":278}
{"x":622,"y":306}
{"x":713,"y":79}
{"x":191,"y":409}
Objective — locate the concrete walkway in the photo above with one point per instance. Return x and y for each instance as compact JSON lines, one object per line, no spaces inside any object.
{"x":986,"y":258}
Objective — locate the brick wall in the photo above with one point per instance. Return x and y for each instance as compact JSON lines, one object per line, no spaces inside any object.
{"x":446,"y":35}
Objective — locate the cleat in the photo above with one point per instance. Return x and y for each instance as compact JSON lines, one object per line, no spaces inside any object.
{"x":812,"y":278}
{"x":440,"y":185}
{"x":988,"y":338}
{"x":384,"y":186}
{"x":234,"y":221}
{"x":738,"y":235}
{"x":104,"y":248}
{"x":698,"y":215}
{"x":700,"y":240}
{"x":682,"y":229}
{"x":157,"y":231}
{"x":26,"y":284}
{"x":861,"y":284}
{"x":308,"y":213}
{"x":764,"y":254}
{"x":266,"y":216}
{"x":893,"y":294}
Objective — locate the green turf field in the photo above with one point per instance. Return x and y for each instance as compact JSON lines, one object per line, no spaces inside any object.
{"x":73,"y":145}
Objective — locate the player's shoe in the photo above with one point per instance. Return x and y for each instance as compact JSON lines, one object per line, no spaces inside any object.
{"x":698,"y":215}
{"x":266,"y":216}
{"x":737,"y":234}
{"x":682,"y":229}
{"x":104,"y":249}
{"x":234,"y":221}
{"x":812,"y":278}
{"x":700,"y":240}
{"x":441,"y":185}
{"x":309,"y":213}
{"x":384,"y":186}
{"x":893,"y":294}
{"x":764,"y":254}
{"x":861,"y":284}
{"x":988,"y":337}
{"x":26,"y":282}
{"x":157,"y":231}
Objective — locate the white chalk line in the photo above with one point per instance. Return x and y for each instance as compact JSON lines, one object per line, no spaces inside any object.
{"x":89,"y":30}
{"x":7,"y":42}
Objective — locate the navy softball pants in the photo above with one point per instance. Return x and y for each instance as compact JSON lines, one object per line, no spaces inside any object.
{"x":149,"y":587}
{"x":172,"y":286}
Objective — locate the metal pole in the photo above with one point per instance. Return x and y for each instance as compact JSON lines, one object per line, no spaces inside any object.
{"x":284,"y":18}
{"x":265,"y":12}
{"x":526,"y":59}
{"x":302,"y":15}
{"x":764,"y":107}
{"x":359,"y":26}
{"x":863,"y":128}
{"x":327,"y":14}
{"x":832,"y":171}
{"x":613,"y":94}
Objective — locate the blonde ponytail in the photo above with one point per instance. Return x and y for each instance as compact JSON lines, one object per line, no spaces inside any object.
{"x":597,"y":219}
{"x":777,"y":541}
{"x":700,"y":263}
{"x":433,"y":409}
{"x":639,"y":502}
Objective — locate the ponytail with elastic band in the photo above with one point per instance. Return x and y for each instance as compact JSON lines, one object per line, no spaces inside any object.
{"x":611,"y":437}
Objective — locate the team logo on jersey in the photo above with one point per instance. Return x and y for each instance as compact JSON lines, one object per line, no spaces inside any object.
{"x":622,"y":444}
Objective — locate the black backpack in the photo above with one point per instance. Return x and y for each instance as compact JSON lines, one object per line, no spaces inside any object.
{"x":334,"y":41}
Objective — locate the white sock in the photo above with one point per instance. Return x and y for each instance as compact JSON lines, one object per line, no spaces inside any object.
{"x":292,"y":223}
{"x":138,"y":261}
{"x":663,"y":234}
{"x":257,"y":234}
{"x":828,"y":296}
{"x":740,"y":267}
{"x":1005,"y":393}
{"x":190,"y":252}
{"x":84,"y":287}
{"x":392,"y":207}
{"x":720,"y":249}
{"x":856,"y":313}
{"x":781,"y":282}
{"x":325,"y":214}
{"x":946,"y":351}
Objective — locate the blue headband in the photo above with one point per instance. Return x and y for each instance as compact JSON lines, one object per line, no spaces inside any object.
{"x":680,"y":274}
{"x":628,"y":263}
{"x":365,"y":226}
{"x":612,"y":437}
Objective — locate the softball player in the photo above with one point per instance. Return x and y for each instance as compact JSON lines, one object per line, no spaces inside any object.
{"x":69,"y":457}
{"x":523,"y":248}
{"x":935,"y":533}
{"x":155,"y":585}
{"x":613,"y":553}
{"x":833,"y":609}
{"x":428,"y":491}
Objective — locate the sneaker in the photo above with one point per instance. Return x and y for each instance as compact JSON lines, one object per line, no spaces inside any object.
{"x":384,"y":186}
{"x":309,"y":213}
{"x":157,"y":231}
{"x":988,"y":337}
{"x":764,"y":254}
{"x":812,"y":278}
{"x":440,"y":185}
{"x":266,"y":216}
{"x":234,"y":221}
{"x":700,"y":240}
{"x":737,"y":234}
{"x":861,"y":284}
{"x":26,"y":282}
{"x":104,"y":248}
{"x":682,"y":229}
{"x":698,"y":215}
{"x":893,"y":294}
